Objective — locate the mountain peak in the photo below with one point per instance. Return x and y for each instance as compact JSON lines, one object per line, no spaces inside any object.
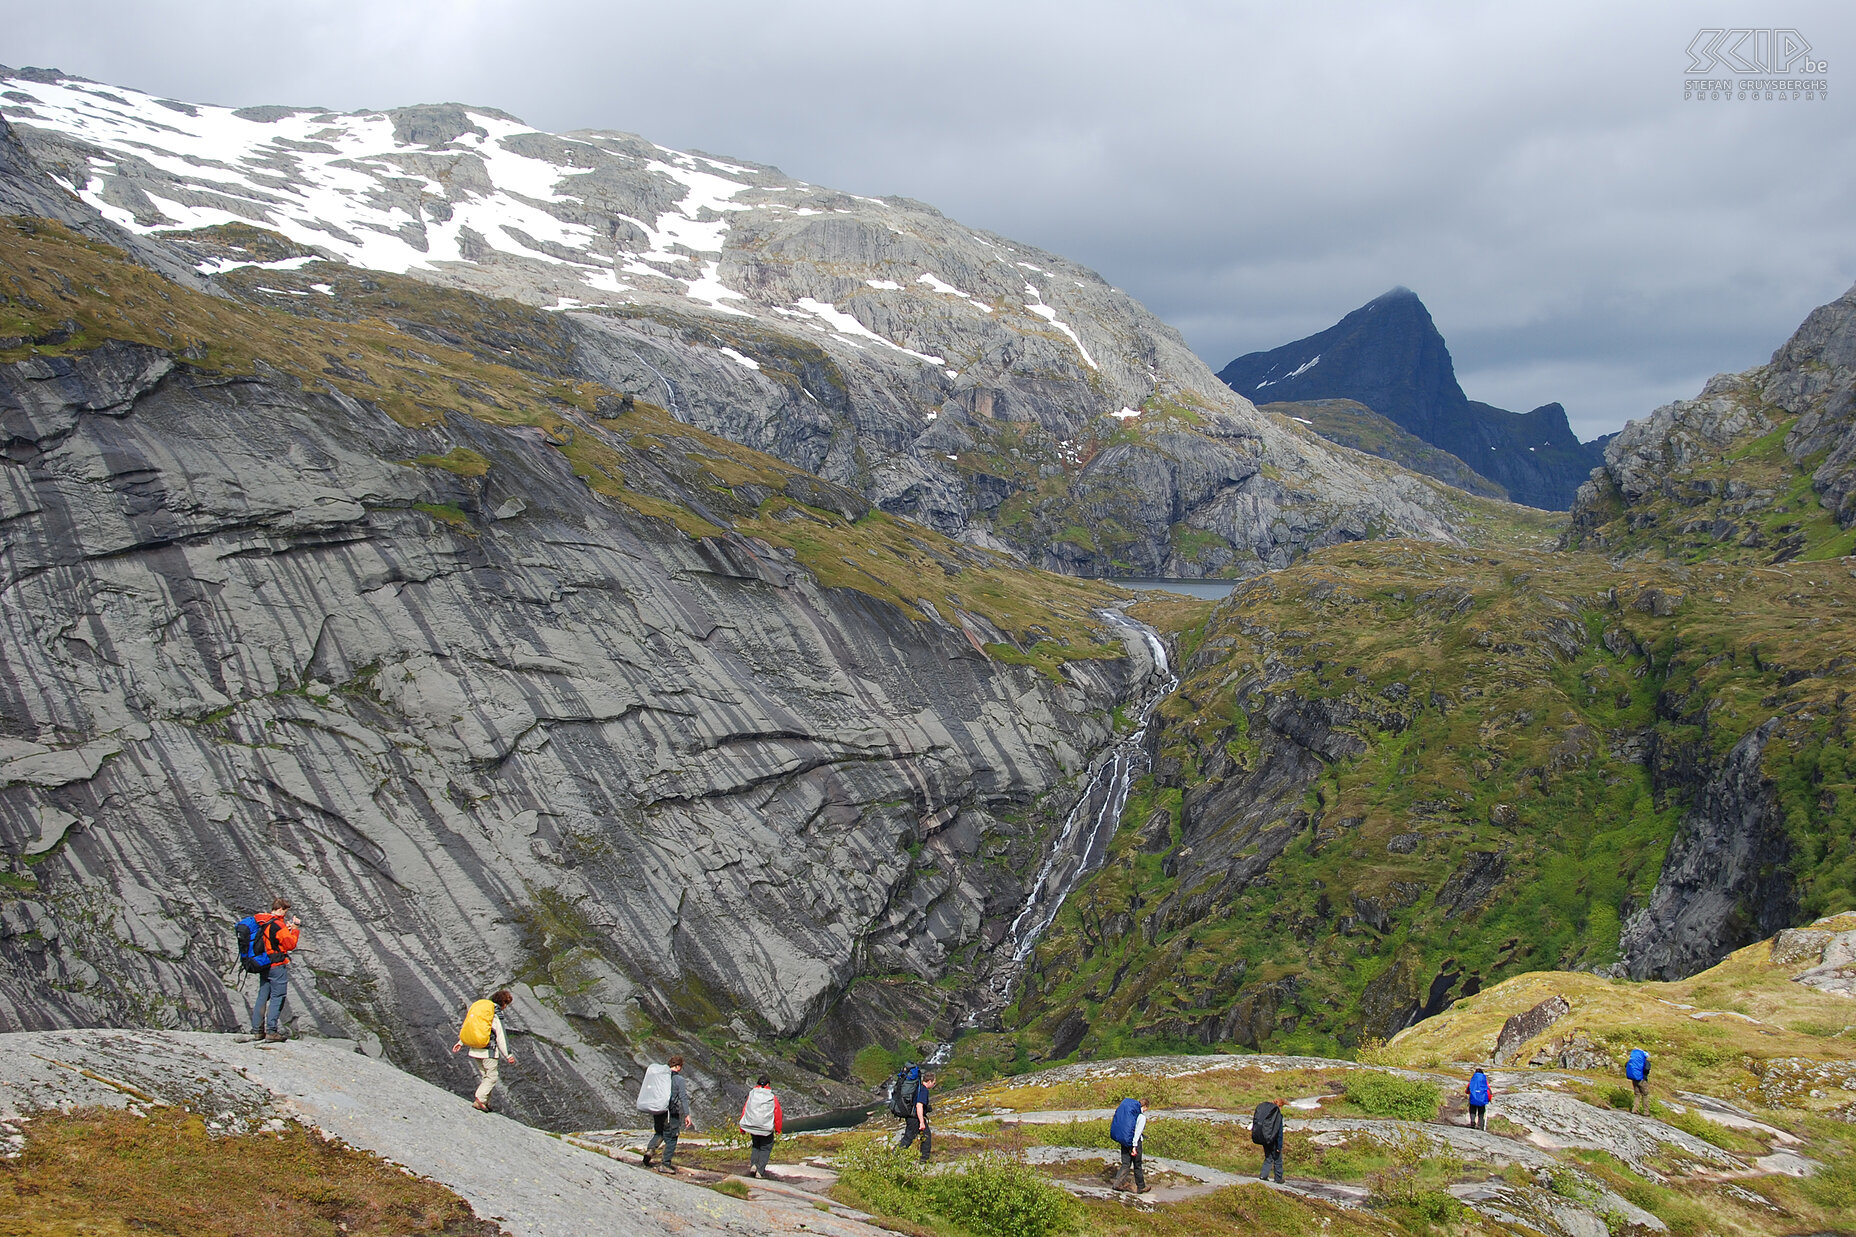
{"x":1389,"y":355}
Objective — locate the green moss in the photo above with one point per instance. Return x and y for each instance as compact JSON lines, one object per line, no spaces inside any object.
{"x":449,"y":513}
{"x":460,"y":460}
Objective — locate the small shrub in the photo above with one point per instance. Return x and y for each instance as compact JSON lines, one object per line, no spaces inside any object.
{"x":991,"y":1195}
{"x":734,"y":1187}
{"x":1620,"y":1097}
{"x":1706,"y":1056}
{"x":1370,"y":1051}
{"x":1411,"y":1185}
{"x":998,"y":1196}
{"x":1387,"y":1095}
{"x":1178,"y":1140}
{"x":1833,"y":1187}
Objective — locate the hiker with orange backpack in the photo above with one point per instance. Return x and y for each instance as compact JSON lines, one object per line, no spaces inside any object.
{"x":264,"y":945}
{"x":482,"y":1023}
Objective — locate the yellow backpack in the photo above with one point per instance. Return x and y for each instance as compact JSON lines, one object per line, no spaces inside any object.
{"x":475,"y":1033}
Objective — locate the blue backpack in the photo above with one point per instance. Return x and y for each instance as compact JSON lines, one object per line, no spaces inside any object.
{"x":1479,"y":1089}
{"x":902,"y":1091}
{"x":250,"y":957}
{"x":1121,"y":1126}
{"x":1638,"y":1067}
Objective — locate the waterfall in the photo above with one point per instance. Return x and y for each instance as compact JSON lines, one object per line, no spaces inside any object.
{"x":1082,"y":843}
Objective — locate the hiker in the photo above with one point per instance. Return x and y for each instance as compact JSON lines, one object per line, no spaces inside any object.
{"x":265,"y":942}
{"x":761,"y":1119}
{"x":483,"y":1023}
{"x":917,"y":1120}
{"x":1478,"y":1092}
{"x":1266,"y":1132}
{"x":1637,"y":1069}
{"x":664,"y":1125}
{"x":1126,"y":1129}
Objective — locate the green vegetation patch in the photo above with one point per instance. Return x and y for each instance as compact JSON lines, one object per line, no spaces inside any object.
{"x":990,"y":1194}
{"x":1485,"y":722}
{"x":106,"y":1171}
{"x":460,"y":460}
{"x":1388,"y":1095}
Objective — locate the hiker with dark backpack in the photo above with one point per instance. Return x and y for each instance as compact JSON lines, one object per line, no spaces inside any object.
{"x":264,"y":945}
{"x":1637,"y":1069}
{"x":1478,"y":1092}
{"x":664,"y":1084}
{"x":761,"y":1119}
{"x":1125,"y":1129}
{"x":1266,"y":1132}
{"x":917,"y":1121}
{"x":483,"y":1022}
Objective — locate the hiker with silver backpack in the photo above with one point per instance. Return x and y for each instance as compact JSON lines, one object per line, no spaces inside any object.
{"x":666,"y":1097}
{"x":761,"y":1119}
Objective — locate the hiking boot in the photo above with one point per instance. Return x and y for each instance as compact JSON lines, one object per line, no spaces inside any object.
{"x":646,"y":1161}
{"x":668,"y":1169}
{"x":273,"y":1037}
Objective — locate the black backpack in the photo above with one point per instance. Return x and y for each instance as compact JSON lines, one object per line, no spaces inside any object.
{"x":902,"y":1091}
{"x":1266,"y":1124}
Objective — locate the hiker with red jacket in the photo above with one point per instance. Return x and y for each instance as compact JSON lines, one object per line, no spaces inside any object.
{"x":272,"y":938}
{"x":761,"y":1119}
{"x":1479,"y":1092}
{"x":483,"y":1027}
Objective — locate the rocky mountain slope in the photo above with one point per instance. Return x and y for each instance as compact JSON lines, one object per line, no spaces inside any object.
{"x":1389,"y":356}
{"x":500,"y":684}
{"x":1352,"y":424}
{"x":1759,"y":468}
{"x":1395,"y":775}
{"x":995,"y":392}
{"x":518,"y":1181}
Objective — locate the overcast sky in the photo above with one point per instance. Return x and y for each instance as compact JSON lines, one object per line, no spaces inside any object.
{"x":1579,"y":231}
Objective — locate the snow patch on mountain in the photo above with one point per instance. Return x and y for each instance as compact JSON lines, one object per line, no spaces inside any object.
{"x":350,"y":187}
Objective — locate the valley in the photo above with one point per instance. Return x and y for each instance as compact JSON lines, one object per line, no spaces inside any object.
{"x":687,"y":597}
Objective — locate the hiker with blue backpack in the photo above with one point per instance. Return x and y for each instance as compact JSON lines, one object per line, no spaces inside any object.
{"x":1478,"y":1092}
{"x":264,"y":945}
{"x":920,"y":1102}
{"x":1637,"y":1069}
{"x":1125,"y":1129}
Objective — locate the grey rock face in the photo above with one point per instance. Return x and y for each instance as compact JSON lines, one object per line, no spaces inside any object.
{"x":873,"y":341}
{"x":1724,"y":882}
{"x":1526,"y":1025}
{"x":1812,"y":377}
{"x":514,"y":734}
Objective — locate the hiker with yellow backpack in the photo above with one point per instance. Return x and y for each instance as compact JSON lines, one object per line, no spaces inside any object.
{"x":483,"y":1022}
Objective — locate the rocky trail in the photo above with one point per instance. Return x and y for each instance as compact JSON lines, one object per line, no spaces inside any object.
{"x":1534,"y":1171}
{"x":531,"y":1183}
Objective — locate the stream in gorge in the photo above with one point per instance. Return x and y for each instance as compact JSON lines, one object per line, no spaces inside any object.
{"x":1082,"y":843}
